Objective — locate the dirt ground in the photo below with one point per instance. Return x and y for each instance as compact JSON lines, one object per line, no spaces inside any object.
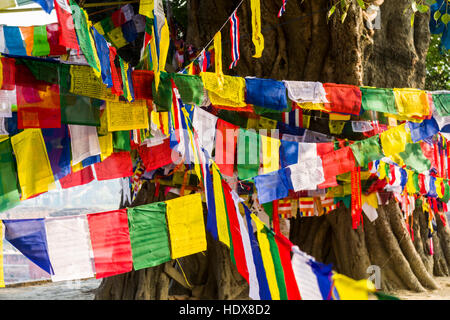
{"x":443,"y":293}
{"x":84,"y":290}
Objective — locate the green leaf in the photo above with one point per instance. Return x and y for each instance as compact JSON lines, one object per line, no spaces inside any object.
{"x":332,"y":10}
{"x":445,"y":18}
{"x":361,"y":4}
{"x":436,"y":15}
{"x":422,"y":8}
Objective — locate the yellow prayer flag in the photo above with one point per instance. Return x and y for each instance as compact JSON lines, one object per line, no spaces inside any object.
{"x":266,"y":255}
{"x":164,"y":46}
{"x":271,"y":154}
{"x":370,"y":199}
{"x":186,"y":225}
{"x":77,"y":167}
{"x":313,"y":106}
{"x":394,"y":140}
{"x":221,"y":213}
{"x":349,"y":289}
{"x":437,"y":184}
{"x":123,"y":116}
{"x":410,"y":183}
{"x":218,"y":58}
{"x":106,"y":145}
{"x":146,"y":8}
{"x":7,"y":4}
{"x":84,"y":82}
{"x":411,"y":103}
{"x":33,"y":166}
{"x":231,"y":94}
{"x":117,"y":38}
{"x":337,"y":116}
{"x":257,"y":37}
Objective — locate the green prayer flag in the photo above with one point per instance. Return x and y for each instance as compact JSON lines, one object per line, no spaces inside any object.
{"x":378,"y":99}
{"x":84,"y":37}
{"x":44,"y":70}
{"x":9,"y":193}
{"x":247,"y":154}
{"x":367,"y":150}
{"x":64,"y":78}
{"x":414,"y":158}
{"x":80,"y":110}
{"x":442,"y":104}
{"x":230,"y":116}
{"x":41,"y":47}
{"x":446,"y":197}
{"x":149,"y":235}
{"x":384,"y":296}
{"x":190,"y":88}
{"x":121,"y":140}
{"x":107,"y":24}
{"x":279,"y":273}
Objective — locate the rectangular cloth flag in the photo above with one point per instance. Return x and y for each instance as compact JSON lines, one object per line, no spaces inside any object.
{"x":248,"y":154}
{"x":57,"y":143}
{"x":149,"y":235}
{"x":156,"y":156}
{"x":28,"y":236}
{"x":304,"y":275}
{"x":345,"y":99}
{"x":412,"y":104}
{"x":13,"y":40}
{"x":84,"y":142}
{"x":338,"y":162}
{"x":84,"y":82}
{"x":33,"y":165}
{"x":394,"y":140}
{"x":349,"y":289}
{"x":127,"y":116}
{"x":53,"y":35}
{"x":186,"y":225}
{"x":79,"y":110}
{"x":9,"y":193}
{"x":231,"y":94}
{"x":257,"y":36}
{"x":118,"y":165}
{"x":103,"y":55}
{"x":367,"y":150}
{"x":204,"y":124}
{"x":266,"y":93}
{"x":69,"y":247}
{"x":77,"y":178}
{"x":67,"y":36}
{"x":378,"y":99}
{"x":127,"y":80}
{"x":270,"y":153}
{"x":110,"y":238}
{"x":272,"y":186}
{"x":41,"y":47}
{"x":226,"y":138}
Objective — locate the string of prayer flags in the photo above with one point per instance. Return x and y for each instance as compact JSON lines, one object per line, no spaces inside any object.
{"x":36,"y":176}
{"x":110,"y":238}
{"x":187,"y":230}
{"x":270,"y":153}
{"x":9,"y":193}
{"x":69,"y":247}
{"x":248,"y":154}
{"x":84,"y":142}
{"x":117,"y":165}
{"x":226,"y":139}
{"x":28,"y":236}
{"x":257,"y":37}
{"x":266,"y":93}
{"x":149,"y":235}
{"x":235,"y":39}
{"x":77,"y":178}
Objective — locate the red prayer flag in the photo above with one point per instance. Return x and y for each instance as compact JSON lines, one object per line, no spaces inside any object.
{"x":157,"y":156}
{"x":323,"y":149}
{"x":118,"y":18}
{"x":142,"y":84}
{"x":9,"y":73}
{"x":343,"y":98}
{"x":67,"y":36}
{"x":226,"y":139}
{"x":110,"y":238}
{"x":117,"y":165}
{"x":236,"y":238}
{"x":117,"y":81}
{"x":338,"y":162}
{"x":53,"y":35}
{"x":77,"y":178}
{"x":284,"y":248}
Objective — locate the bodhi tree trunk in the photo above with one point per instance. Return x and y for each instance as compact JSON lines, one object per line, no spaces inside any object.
{"x":304,"y":45}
